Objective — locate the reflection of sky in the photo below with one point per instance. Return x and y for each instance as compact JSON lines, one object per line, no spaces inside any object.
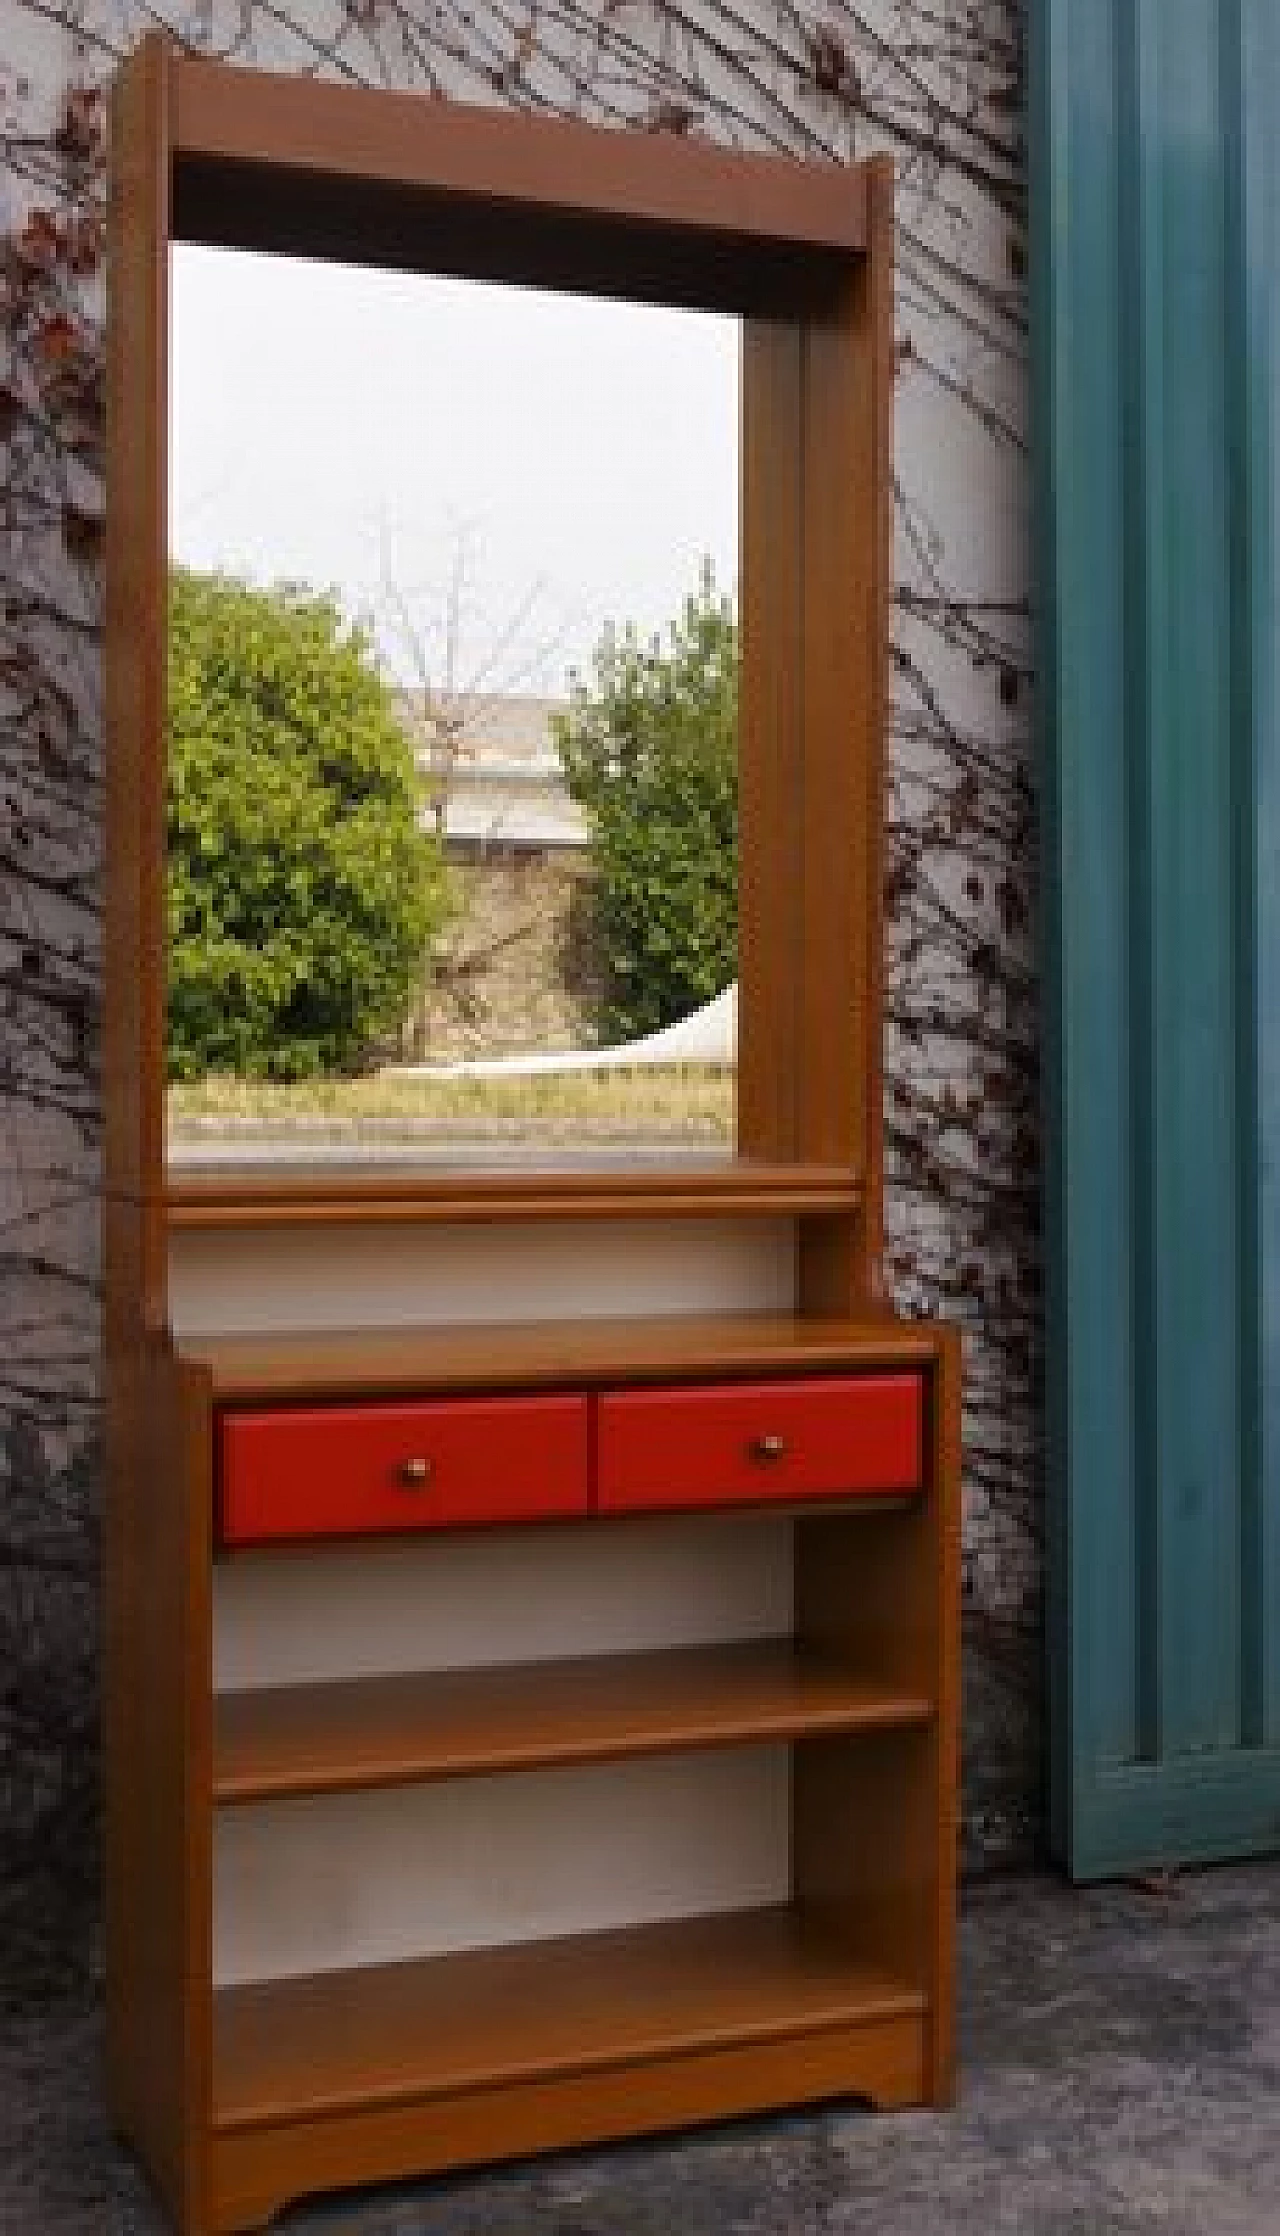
{"x":565,"y":462}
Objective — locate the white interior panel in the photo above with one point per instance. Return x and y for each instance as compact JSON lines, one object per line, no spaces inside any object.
{"x":307,"y":1613}
{"x":352,"y":1879}
{"x":424,"y":1274}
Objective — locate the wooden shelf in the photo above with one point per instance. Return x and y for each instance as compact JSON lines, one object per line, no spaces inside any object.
{"x":380,"y":1362}
{"x":389,"y":1730}
{"x":395,"y":2034}
{"x":333,"y":1191}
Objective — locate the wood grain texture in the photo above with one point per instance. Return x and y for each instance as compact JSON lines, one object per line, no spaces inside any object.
{"x":373,"y":1731}
{"x":369,"y":1362}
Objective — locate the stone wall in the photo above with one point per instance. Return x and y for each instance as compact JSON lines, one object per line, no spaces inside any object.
{"x":940,"y":82}
{"x":515,"y":969}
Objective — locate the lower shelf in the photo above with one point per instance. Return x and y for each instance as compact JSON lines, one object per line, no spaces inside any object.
{"x":398,"y":2034}
{"x":408,"y":2070}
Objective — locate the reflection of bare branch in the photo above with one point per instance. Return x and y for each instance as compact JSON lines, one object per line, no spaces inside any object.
{"x":448,"y":715}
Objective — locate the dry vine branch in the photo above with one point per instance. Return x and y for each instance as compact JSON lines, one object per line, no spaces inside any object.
{"x":941,"y":83}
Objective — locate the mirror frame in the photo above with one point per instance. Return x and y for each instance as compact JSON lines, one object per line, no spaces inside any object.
{"x":219,"y":154}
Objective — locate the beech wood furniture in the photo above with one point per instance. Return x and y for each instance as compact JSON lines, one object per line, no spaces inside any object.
{"x":245,"y":1452}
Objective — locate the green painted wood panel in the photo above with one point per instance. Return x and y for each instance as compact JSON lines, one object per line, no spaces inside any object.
{"x":1157,"y":366}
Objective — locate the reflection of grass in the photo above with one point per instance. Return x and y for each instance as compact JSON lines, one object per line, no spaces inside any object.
{"x":688,"y":1102}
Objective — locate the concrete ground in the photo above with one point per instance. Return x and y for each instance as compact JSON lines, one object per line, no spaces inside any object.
{"x":1120,"y":2077}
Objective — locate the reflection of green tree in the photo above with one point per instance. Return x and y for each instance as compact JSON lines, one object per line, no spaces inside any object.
{"x":650,"y":749}
{"x":302,"y":892}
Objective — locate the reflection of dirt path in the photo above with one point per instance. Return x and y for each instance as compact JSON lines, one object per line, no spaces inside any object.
{"x":439,"y":1146}
{"x":613,"y":1113}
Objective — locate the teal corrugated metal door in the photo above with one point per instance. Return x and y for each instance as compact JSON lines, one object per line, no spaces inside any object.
{"x":1156,"y":239}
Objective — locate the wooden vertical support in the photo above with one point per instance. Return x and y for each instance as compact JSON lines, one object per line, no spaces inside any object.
{"x":875,"y":1835}
{"x":168,"y":1776}
{"x":134,"y":521}
{"x":157,"y":1433}
{"x":136,"y":651}
{"x":770,"y":743}
{"x":847,"y":491}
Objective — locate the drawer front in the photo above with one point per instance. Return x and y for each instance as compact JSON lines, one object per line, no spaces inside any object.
{"x":740,"y":1444}
{"x":337,"y":1470}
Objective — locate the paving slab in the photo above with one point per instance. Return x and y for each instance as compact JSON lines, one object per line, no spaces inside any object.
{"x":1120,"y":2077}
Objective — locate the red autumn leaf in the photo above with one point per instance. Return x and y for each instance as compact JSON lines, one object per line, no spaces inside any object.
{"x":80,"y":128}
{"x":56,"y":340}
{"x":39,"y":243}
{"x":85,"y":241}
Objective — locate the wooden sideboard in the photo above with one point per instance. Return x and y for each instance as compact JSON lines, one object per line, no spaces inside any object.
{"x":248,"y":2094}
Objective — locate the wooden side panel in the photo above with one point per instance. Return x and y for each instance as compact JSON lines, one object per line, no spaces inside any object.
{"x":876,"y":1825}
{"x":146,"y":1565}
{"x":135,"y":650}
{"x":156,"y":1711}
{"x":770,"y":744}
{"x":159,"y":1784}
{"x":846,"y":564}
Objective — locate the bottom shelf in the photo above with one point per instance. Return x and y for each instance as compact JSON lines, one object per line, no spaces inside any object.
{"x":403,"y":2071}
{"x":308,"y":2048}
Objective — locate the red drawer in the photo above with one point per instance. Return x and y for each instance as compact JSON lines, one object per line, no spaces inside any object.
{"x":737,"y":1444}
{"x":338,"y":1470}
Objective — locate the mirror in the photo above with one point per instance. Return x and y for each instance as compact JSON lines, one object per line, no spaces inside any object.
{"x":452,"y":720}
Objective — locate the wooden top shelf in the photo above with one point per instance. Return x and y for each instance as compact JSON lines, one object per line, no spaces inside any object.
{"x":330,"y":1363}
{"x":301,"y":167}
{"x":396,"y":2034}
{"x":388,"y":1730}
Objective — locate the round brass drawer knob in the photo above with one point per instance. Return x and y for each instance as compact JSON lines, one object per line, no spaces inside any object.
{"x":768,"y":1450}
{"x":414,"y":1473}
